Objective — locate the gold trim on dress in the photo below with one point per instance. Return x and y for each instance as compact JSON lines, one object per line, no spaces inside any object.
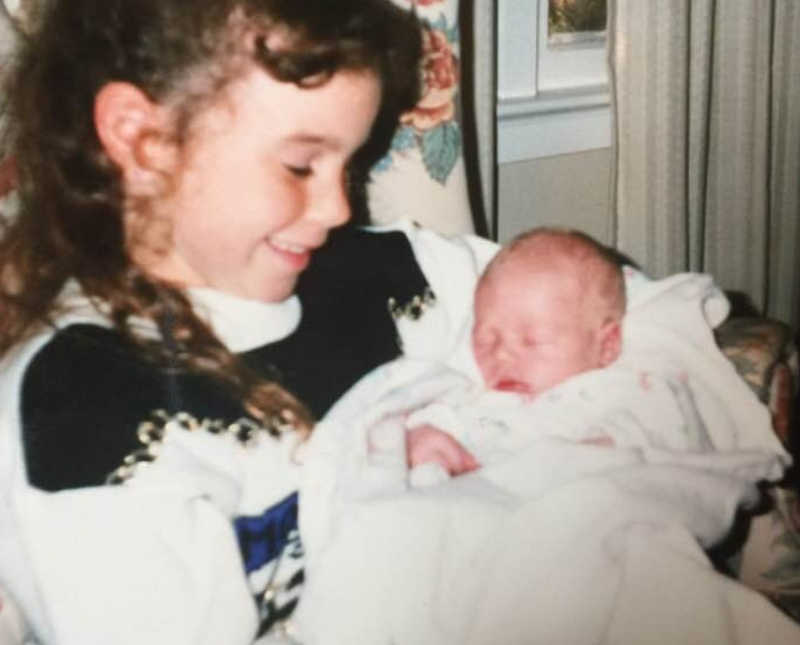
{"x":151,"y":433}
{"x":414,"y":308}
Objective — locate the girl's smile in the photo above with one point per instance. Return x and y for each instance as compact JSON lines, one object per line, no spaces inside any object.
{"x":262,"y":183}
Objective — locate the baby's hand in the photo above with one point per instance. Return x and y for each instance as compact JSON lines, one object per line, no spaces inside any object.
{"x":426,"y":444}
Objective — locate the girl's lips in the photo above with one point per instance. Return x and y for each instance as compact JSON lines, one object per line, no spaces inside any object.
{"x":295,"y":255}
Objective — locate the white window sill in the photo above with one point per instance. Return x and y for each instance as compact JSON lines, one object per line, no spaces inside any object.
{"x":553,"y":123}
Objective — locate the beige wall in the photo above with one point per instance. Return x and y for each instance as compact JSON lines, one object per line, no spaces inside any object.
{"x":568,"y":190}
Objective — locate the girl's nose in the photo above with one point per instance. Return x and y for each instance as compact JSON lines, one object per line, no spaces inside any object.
{"x":332,"y":207}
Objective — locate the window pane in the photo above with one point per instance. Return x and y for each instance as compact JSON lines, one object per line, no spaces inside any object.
{"x":571,"y":16}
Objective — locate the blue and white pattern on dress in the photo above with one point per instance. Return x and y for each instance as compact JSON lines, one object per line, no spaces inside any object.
{"x":273,"y":556}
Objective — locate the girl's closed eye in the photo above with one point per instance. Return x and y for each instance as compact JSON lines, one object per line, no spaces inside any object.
{"x":301,"y":171}
{"x":299,"y":159}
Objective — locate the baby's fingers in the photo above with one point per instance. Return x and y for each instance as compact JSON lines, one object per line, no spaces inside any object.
{"x":429,"y":444}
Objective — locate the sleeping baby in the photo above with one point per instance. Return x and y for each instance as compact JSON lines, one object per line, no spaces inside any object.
{"x":547,"y":338}
{"x":631,"y":429}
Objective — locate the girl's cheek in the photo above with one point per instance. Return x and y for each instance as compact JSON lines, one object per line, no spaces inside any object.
{"x":148,"y":237}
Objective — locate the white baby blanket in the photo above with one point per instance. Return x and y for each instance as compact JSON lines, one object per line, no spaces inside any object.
{"x":559,"y":542}
{"x":621,"y":405}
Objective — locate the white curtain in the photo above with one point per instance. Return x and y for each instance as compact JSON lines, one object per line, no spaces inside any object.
{"x":706,"y":106}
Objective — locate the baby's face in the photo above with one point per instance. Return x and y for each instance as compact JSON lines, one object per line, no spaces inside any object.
{"x":531,"y":331}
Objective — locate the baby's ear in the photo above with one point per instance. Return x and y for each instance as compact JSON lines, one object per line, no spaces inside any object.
{"x":127,"y":124}
{"x":610,"y":337}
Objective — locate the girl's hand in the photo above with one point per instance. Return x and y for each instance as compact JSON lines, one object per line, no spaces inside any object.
{"x":429,"y":444}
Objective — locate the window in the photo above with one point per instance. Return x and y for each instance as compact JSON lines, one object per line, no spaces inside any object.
{"x":552,"y":79}
{"x":575,"y":18}
{"x":571,"y":47}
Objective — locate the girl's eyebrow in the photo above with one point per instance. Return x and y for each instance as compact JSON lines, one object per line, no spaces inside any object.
{"x":304,"y":138}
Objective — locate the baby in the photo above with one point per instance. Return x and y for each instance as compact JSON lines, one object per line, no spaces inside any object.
{"x":549,"y":308}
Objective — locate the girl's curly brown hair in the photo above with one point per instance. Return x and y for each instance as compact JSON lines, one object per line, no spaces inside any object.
{"x":70,"y":224}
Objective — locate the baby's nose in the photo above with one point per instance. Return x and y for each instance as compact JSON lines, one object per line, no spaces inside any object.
{"x":503,"y":353}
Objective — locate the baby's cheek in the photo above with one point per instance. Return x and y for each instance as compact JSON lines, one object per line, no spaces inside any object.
{"x":483,"y":361}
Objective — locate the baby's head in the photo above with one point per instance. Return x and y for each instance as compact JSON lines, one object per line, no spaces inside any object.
{"x":548,"y":306}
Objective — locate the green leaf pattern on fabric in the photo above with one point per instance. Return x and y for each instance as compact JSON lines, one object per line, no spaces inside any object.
{"x":783,"y":573}
{"x":440,"y":150}
{"x":441,"y":145}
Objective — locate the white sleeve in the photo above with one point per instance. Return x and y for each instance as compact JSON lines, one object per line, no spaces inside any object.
{"x":154,"y":560}
{"x":451,"y":266}
{"x":126,"y":566}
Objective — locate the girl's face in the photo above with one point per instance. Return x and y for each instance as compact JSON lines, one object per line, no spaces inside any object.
{"x":262,"y":182}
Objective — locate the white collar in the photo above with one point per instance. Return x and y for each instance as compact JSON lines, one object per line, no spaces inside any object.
{"x":240,"y":323}
{"x":243,"y":324}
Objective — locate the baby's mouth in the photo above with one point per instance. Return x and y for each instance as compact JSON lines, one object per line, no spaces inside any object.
{"x":511,"y":385}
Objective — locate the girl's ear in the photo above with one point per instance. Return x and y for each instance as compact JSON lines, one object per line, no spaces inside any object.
{"x":610,"y":337}
{"x":126,"y":121}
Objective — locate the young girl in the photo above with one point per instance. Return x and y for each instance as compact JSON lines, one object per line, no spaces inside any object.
{"x":176,"y":309}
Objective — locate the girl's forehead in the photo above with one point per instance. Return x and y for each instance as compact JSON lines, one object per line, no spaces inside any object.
{"x":339,"y":110}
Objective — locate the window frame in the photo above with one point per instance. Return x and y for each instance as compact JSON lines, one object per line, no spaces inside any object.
{"x":551,"y":100}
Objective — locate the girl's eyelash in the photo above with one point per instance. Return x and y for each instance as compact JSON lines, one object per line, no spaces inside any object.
{"x":299,"y":171}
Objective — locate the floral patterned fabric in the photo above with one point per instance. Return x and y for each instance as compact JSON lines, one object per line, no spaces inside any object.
{"x":423,"y":176}
{"x":766,"y":356}
{"x":8,"y":194}
{"x":770,"y":559}
{"x":756,"y":346}
{"x":431,"y":125}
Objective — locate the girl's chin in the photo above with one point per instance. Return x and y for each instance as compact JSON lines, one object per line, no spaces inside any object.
{"x":273,"y":291}
{"x":262,"y":285}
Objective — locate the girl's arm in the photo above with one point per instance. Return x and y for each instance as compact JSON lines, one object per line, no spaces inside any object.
{"x":128,"y":565}
{"x":155,"y":559}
